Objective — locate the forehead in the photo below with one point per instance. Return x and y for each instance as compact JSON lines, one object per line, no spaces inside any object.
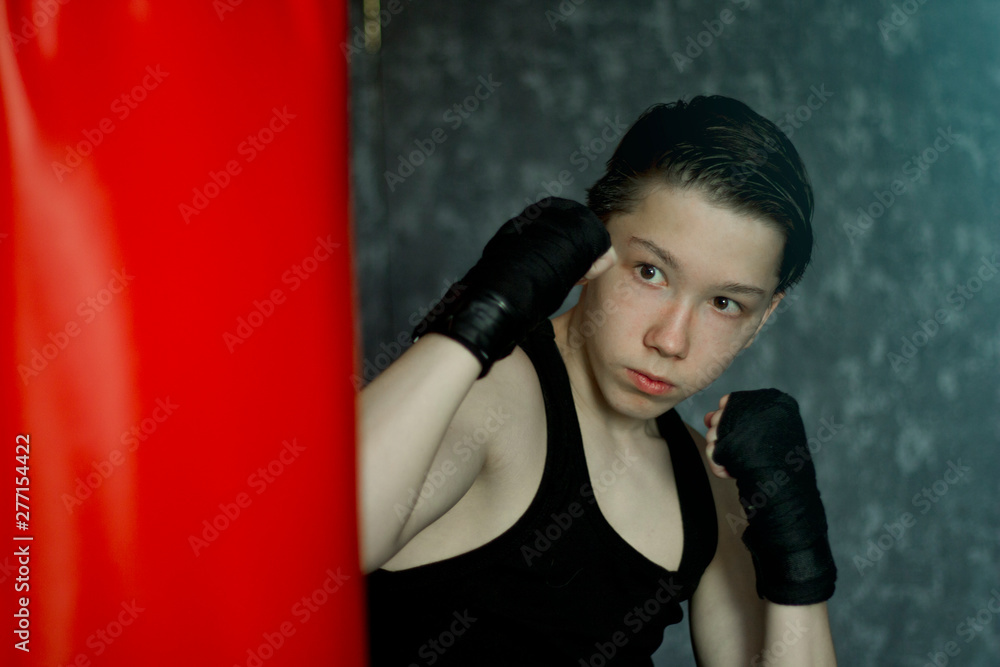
{"x":708,"y":242}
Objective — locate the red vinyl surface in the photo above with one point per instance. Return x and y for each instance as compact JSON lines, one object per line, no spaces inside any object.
{"x":179,"y":335}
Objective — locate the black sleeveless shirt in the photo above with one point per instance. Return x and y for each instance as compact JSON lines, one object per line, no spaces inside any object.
{"x":560,"y":586}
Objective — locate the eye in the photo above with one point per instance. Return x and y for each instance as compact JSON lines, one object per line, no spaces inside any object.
{"x":727,"y":305}
{"x":647,"y":271}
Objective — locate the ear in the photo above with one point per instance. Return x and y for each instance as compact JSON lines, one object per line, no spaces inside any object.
{"x":775,"y":300}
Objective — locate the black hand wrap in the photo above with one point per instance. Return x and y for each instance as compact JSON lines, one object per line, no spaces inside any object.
{"x":762,"y":443}
{"x":523,"y":276}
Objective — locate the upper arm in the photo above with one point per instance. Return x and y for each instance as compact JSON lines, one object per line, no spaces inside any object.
{"x":727,"y":616}
{"x":472,"y":444}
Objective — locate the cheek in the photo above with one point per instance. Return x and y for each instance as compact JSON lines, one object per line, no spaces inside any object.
{"x":624,"y":303}
{"x":714,"y":346}
{"x":719,"y":337}
{"x":609,"y":318}
{"x":623,"y":290}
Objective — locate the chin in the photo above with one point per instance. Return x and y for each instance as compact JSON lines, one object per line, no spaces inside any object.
{"x":642,"y":406}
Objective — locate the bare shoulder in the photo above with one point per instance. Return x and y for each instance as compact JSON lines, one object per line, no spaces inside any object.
{"x":502,"y":413}
{"x":512,"y":395}
{"x":492,"y":447}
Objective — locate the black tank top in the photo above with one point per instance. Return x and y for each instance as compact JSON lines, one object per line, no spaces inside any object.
{"x":560,"y":586}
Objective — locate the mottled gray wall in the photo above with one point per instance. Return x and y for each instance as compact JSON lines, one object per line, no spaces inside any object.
{"x":899,"y":76}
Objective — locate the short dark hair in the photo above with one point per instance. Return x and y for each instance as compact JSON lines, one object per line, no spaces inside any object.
{"x":735,"y":157}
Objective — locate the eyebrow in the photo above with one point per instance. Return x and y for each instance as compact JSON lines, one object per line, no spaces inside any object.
{"x":668,"y":260}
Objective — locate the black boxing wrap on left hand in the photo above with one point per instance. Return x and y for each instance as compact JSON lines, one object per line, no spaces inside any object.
{"x":762,"y":443}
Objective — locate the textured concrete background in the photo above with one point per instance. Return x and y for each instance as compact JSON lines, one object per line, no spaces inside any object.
{"x":910,"y":400}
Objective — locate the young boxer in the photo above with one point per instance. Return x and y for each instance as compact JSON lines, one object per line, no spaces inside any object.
{"x":529,"y":495}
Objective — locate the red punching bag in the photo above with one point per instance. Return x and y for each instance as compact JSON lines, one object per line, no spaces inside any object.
{"x":179,"y":336}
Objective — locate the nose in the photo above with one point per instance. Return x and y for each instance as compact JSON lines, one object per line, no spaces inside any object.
{"x":670,"y":332}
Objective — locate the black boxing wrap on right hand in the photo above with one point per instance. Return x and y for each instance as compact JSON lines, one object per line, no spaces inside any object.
{"x":762,"y":443}
{"x":525,"y":273}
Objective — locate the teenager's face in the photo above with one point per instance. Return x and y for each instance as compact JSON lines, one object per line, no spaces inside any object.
{"x":692,"y":286}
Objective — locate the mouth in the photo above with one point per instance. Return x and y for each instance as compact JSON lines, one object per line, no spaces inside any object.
{"x":650,"y":384}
